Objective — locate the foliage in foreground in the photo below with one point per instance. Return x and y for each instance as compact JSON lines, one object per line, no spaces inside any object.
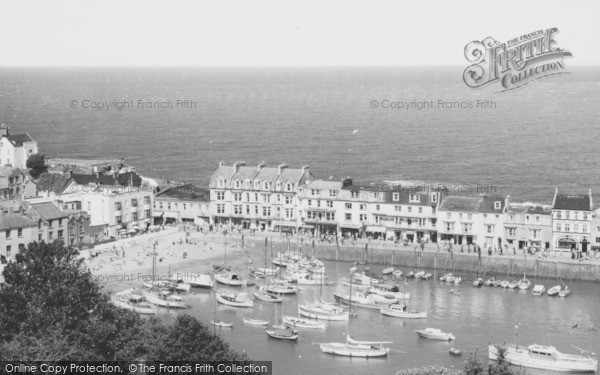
{"x":473,"y":366}
{"x":37,"y":165}
{"x":51,"y":309}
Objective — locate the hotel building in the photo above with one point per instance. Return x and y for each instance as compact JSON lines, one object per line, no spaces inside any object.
{"x":571,"y":221}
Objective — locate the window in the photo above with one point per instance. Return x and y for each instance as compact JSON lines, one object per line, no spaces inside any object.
{"x":363,"y":207}
{"x":349,"y":206}
{"x":575,"y":228}
{"x":146,"y":200}
{"x":278,"y":198}
{"x":256,"y":210}
{"x":535,"y":233}
{"x":377,"y":207}
{"x":117,"y":206}
{"x":60,"y":222}
{"x":584,"y":228}
{"x":8,"y":251}
{"x":60,"y":234}
{"x":288,"y":187}
{"x":237,"y":197}
{"x":398,"y":208}
{"x":318,"y":203}
{"x":567,"y":227}
{"x":467,"y":227}
{"x":169,"y":205}
{"x":266,"y":185}
{"x":266,"y":211}
{"x":490,"y":228}
{"x":497,"y":205}
{"x":449,"y":215}
{"x":220,"y":182}
{"x":8,"y":234}
{"x":420,"y":210}
{"x":256,"y":197}
{"x":558,"y":227}
{"x":330,"y":204}
{"x":421,"y":222}
{"x":247,"y":209}
{"x":415,"y":198}
{"x":134,"y":202}
{"x":363,"y":217}
{"x":348,"y":217}
{"x":288,"y":199}
{"x":315,"y":192}
{"x":238,"y":184}
{"x":409,"y":209}
{"x":568,"y":214}
{"x":434,"y":198}
{"x":585,"y":216}
{"x":309,"y":202}
{"x":396,"y":197}
{"x":449,"y":227}
{"x":237,"y":209}
{"x":50,"y":235}
{"x":512,"y":231}
{"x":82,"y":227}
{"x":50,"y":224}
{"x":220,"y":195}
{"x":409,"y":222}
{"x":20,"y":232}
{"x":537,"y":219}
{"x":332,"y":193}
{"x":558,"y":215}
{"x":354,"y":194}
{"x":118,"y":219}
{"x":220,"y":208}
{"x":398,"y":220}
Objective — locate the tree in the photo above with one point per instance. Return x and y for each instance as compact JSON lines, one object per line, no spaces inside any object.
{"x":37,"y":165}
{"x":51,"y":309}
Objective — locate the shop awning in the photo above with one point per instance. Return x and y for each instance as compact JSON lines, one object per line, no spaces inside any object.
{"x":285,"y":224}
{"x":157,"y":213}
{"x":350,"y":226}
{"x":307,"y":226}
{"x":372,"y":228}
{"x":187,"y":216}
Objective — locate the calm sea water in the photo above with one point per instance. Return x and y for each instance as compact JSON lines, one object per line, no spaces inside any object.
{"x":535,"y":139}
{"x":476,"y":317}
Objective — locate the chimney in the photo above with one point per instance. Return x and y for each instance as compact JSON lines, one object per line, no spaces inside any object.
{"x":590,"y":194}
{"x":507,"y":202}
{"x":554,"y":199}
{"x":281,"y":167}
{"x":221,"y":164}
{"x":4,"y":130}
{"x":305,"y":169}
{"x":346,"y":181}
{"x":260,"y":165}
{"x":238,"y":164}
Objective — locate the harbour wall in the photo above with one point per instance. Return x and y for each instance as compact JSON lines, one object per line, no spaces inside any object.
{"x":467,"y":265}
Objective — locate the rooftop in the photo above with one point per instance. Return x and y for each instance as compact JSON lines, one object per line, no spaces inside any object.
{"x":18,"y":139}
{"x":47,"y":211}
{"x":52,"y":182}
{"x":187,"y":192}
{"x":456,"y":203}
{"x":15,"y":221}
{"x":580,"y":202}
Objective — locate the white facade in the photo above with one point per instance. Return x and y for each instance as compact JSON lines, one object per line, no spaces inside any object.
{"x":15,"y":149}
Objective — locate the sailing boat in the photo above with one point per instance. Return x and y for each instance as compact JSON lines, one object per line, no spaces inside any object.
{"x":263,"y":294}
{"x":158,"y":297}
{"x":282,"y":331}
{"x":219,"y":323}
{"x":524,"y":284}
{"x":354,"y":348}
{"x":227,"y":277}
{"x":323,"y":310}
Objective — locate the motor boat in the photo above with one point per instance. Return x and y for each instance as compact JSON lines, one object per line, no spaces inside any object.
{"x":231,"y":279}
{"x":354,"y":350}
{"x":513,"y":284}
{"x":267,"y":297}
{"x":197,"y":280}
{"x":538,"y":290}
{"x":544,"y":358}
{"x":234,"y":299}
{"x":283,"y":333}
{"x":400,"y":311}
{"x":524,"y":284}
{"x":299,"y":322}
{"x":554,"y":290}
{"x":434,"y":334}
{"x":565,"y":291}
{"x":255,"y":322}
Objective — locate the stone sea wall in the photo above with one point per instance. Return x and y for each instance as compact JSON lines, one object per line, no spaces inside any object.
{"x":458,"y":263}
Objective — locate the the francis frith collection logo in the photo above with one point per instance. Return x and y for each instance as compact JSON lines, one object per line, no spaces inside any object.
{"x":514,"y":63}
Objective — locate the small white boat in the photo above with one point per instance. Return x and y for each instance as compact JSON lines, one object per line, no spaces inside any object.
{"x":387,"y":271}
{"x":133,"y":303}
{"x":490,"y":282}
{"x":279,"y":288}
{"x":392,"y":291}
{"x":313,"y":279}
{"x":427,"y":276}
{"x":457,"y":280}
{"x":183,"y":287}
{"x":299,"y":322}
{"x":163,"y":300}
{"x":323,"y":312}
{"x":512,"y":284}
{"x":267,"y":297}
{"x":538,"y":290}
{"x":350,"y":340}
{"x":434,"y":334}
{"x":354,"y":350}
{"x":524,"y":284}
{"x":283,"y":333}
{"x":565,"y":291}
{"x":504,"y":283}
{"x":195,"y":280}
{"x":554,"y":290}
{"x":367,"y":300}
{"x":477,"y":283}
{"x":419,"y":275}
{"x":234,"y":299}
{"x":544,"y":358}
{"x":221,"y":324}
{"x":397,"y":273}
{"x":231,"y":279}
{"x":255,"y":322}
{"x":400,"y":311}
{"x":445,"y":277}
{"x":455,"y":352}
{"x":265,"y":271}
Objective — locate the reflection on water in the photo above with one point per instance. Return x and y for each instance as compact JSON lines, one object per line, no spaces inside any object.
{"x":476,"y":317}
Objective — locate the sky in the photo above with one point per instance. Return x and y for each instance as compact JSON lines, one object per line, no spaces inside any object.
{"x":280,"y":32}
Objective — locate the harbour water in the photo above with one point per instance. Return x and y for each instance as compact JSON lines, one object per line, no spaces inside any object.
{"x":535,"y":139}
{"x":476,"y":317}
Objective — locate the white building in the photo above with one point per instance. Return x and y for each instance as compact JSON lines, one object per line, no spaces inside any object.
{"x":528,"y":225}
{"x":15,"y":149}
{"x":183,"y":204}
{"x":258,"y":198}
{"x":572,"y":221}
{"x":319,"y":207}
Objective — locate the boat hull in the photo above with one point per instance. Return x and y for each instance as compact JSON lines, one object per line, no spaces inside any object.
{"x":229,"y":302}
{"x":403,"y":314}
{"x":516,"y":358}
{"x":298,"y":322}
{"x":350,"y":350}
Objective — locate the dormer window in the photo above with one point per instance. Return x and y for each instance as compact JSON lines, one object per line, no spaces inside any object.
{"x":238,"y":184}
{"x":256,"y":184}
{"x":497,"y":205}
{"x":278,"y":185}
{"x":288,"y":186}
{"x":220,"y":183}
{"x":415,"y":198}
{"x":396,"y":197}
{"x":247,"y":184}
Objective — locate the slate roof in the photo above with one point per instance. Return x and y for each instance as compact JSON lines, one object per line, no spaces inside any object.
{"x":15,"y":220}
{"x":404,"y":197}
{"x":487,"y":204}
{"x":324,"y":185}
{"x":52,"y":182}
{"x":572,"y":202}
{"x":187,"y":192}
{"x":268,"y":174}
{"x":48,"y":211}
{"x":462,"y":204}
{"x":6,"y":171}
{"x":18,"y":139}
{"x":124,"y":179}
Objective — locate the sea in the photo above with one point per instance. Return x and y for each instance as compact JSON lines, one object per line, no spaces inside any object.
{"x":370,"y":124}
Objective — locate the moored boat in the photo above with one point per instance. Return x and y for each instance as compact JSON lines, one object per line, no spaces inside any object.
{"x":544,"y":358}
{"x":267,"y":297}
{"x":323,"y":312}
{"x":512,"y":284}
{"x":554,"y":290}
{"x":367,"y":300}
{"x":477,"y":283}
{"x":231,"y":279}
{"x":221,"y":324}
{"x":195,"y":280}
{"x":387,"y":271}
{"x":434,"y":334}
{"x":299,"y":322}
{"x":538,"y":290}
{"x":283,"y":333}
{"x":234,"y":299}
{"x":134,"y":303}
{"x":565,"y":291}
{"x":255,"y":322}
{"x":350,"y":340}
{"x":490,"y":282}
{"x":524,"y":284}
{"x":163,"y":300}
{"x":354,"y":350}
{"x":400,"y":311}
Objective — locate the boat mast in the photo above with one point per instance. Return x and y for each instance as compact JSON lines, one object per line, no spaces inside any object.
{"x":516,"y":333}
{"x":352,"y":270}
